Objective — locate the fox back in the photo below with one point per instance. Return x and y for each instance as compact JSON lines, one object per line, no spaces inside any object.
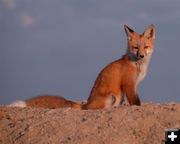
{"x":122,"y":76}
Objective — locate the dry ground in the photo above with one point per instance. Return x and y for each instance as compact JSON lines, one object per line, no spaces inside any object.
{"x":123,"y":125}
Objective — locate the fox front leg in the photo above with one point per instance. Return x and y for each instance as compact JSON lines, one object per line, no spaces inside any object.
{"x":132,"y":96}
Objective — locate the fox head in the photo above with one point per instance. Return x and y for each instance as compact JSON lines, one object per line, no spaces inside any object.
{"x":140,"y":46}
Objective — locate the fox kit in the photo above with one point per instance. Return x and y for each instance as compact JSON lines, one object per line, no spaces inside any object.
{"x":119,"y":78}
{"x":122,"y":76}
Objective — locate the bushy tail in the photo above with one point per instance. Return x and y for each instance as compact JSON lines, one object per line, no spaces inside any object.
{"x":48,"y":101}
{"x":75,"y":105}
{"x":18,"y":104}
{"x":52,"y":102}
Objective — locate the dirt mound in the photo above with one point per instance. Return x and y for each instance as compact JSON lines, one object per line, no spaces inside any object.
{"x":123,"y":125}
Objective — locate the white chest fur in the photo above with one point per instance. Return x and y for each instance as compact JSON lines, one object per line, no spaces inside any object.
{"x":142,"y":69}
{"x":142,"y":72}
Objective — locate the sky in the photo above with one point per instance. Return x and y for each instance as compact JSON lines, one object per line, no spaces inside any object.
{"x":58,"y":47}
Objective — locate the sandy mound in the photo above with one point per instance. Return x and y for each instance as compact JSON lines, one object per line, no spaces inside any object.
{"x":123,"y":125}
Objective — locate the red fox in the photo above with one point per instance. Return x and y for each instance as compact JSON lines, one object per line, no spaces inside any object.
{"x":117,"y":79}
{"x":122,"y":76}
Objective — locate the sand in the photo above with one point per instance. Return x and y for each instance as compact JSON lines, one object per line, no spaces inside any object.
{"x":122,"y":125}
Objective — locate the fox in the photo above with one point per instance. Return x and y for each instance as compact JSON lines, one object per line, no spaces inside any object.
{"x":121,"y":77}
{"x":118,"y":79}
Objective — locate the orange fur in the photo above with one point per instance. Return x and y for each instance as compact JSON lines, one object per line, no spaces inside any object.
{"x":122,"y":76}
{"x":51,"y":102}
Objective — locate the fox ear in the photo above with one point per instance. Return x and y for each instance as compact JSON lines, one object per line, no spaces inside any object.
{"x":128,"y":31}
{"x":150,"y":32}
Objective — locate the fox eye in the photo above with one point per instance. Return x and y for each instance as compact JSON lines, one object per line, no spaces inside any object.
{"x":135,"y":47}
{"x":146,"y":47}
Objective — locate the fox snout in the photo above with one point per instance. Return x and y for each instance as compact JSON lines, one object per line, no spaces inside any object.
{"x":136,"y":55}
{"x":140,"y":55}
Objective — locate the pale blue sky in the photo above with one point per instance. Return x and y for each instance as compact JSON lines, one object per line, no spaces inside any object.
{"x":59,"y":46}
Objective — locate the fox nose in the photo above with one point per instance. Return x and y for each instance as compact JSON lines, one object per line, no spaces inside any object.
{"x":141,"y":56}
